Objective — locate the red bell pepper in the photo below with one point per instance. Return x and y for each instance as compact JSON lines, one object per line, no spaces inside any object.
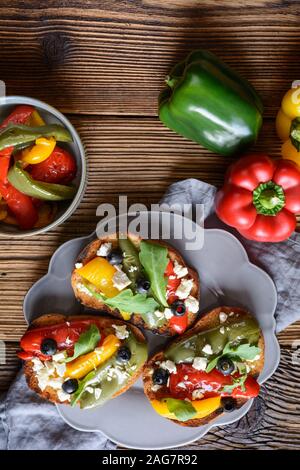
{"x":260,"y":198}
{"x":65,"y":334}
{"x":19,"y":115}
{"x":187,"y":379}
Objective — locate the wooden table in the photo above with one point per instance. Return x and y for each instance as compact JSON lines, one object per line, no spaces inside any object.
{"x":103,"y":63}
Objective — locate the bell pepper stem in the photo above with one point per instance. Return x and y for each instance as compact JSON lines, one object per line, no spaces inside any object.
{"x":295,"y":133}
{"x":268,"y":198}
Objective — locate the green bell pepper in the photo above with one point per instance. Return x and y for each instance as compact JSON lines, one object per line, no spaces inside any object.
{"x":18,"y":134}
{"x":22,"y":181}
{"x":206,"y":101}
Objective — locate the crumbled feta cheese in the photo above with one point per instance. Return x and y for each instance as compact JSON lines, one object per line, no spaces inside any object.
{"x":59,"y":357}
{"x":248,"y":368}
{"x":180,"y":270}
{"x":37,"y":364}
{"x":186,"y":377}
{"x":168,"y":313}
{"x":56,"y":382}
{"x":132,"y":269}
{"x":207,"y":349}
{"x":200,"y":363}
{"x":84,"y":290}
{"x":49,"y":368}
{"x":60,"y":368}
{"x":192,"y":304}
{"x":121,"y":331}
{"x":62,"y":396}
{"x":184,"y":288}
{"x":172,"y":277}
{"x":197,"y":394}
{"x":181,"y":385}
{"x":223,"y":317}
{"x":231,"y":314}
{"x":104,"y":250}
{"x":222,"y":330}
{"x":159,"y":314}
{"x":98,"y":392}
{"x":78,"y":265}
{"x":170,"y":366}
{"x":120,"y":280}
{"x":89,"y":389}
{"x":68,"y":341}
{"x":155,"y":387}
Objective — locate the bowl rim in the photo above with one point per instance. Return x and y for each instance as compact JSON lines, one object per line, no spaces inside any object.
{"x":20,"y":99}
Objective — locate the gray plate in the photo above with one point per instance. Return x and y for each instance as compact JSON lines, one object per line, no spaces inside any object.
{"x":227,"y":278}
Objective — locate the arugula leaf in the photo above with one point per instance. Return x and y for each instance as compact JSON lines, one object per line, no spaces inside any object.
{"x":242,"y":352}
{"x":183,"y":410}
{"x":127,"y":301}
{"x":154,"y":258}
{"x":236,"y":382}
{"x":86,"y":342}
{"x":81,"y":387}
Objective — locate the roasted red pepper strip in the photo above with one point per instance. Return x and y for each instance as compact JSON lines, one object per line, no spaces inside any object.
{"x":5,"y":155}
{"x":18,"y":116}
{"x":177,"y":324}
{"x":211,"y":383}
{"x":20,"y":205}
{"x":260,"y":198}
{"x":65,"y":334}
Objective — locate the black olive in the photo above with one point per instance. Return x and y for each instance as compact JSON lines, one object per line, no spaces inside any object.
{"x":115,"y":257}
{"x":160,"y":376}
{"x":225,"y":365}
{"x":123,"y":354}
{"x":178,"y":308}
{"x":48,"y":347}
{"x":228,"y":404}
{"x":70,"y":386}
{"x":143,"y":286}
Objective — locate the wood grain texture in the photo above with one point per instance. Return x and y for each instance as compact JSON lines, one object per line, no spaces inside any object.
{"x":104,"y":63}
{"x":94,"y":59}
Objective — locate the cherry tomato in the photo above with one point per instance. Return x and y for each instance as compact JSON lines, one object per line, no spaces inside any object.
{"x":59,"y":167}
{"x":177,"y":324}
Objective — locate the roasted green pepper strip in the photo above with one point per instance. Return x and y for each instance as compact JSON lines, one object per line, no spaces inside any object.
{"x":20,"y":134}
{"x":22,"y":181}
{"x":206,"y":101}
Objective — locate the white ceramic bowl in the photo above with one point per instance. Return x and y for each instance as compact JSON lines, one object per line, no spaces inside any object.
{"x":50,"y":116}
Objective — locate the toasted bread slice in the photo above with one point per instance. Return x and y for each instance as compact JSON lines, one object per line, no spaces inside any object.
{"x":89,"y":253}
{"x":209,"y":321}
{"x":49,"y":393}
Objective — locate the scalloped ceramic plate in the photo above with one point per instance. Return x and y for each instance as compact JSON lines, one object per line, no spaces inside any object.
{"x":226,"y":276}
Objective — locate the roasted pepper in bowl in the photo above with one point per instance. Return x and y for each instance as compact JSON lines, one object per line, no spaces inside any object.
{"x":206,"y":101}
{"x":260,"y":198}
{"x":288,"y":123}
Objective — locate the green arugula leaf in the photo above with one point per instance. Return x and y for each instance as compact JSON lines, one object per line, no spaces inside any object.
{"x":238,"y":353}
{"x":81,"y":387}
{"x":236,"y":382}
{"x":154,"y":258}
{"x":127,"y":301}
{"x":183,"y":410}
{"x":86,"y":342}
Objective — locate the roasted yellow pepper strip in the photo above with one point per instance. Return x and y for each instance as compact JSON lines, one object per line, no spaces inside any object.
{"x":40,"y":151}
{"x":288,"y":123}
{"x":203,"y":407}
{"x":85,"y":364}
{"x":36,"y":120}
{"x":100,"y":272}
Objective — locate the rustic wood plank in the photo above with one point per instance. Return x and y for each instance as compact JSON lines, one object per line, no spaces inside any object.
{"x":95,"y":59}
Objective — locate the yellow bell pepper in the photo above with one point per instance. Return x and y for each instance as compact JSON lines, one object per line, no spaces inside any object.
{"x":84,"y":364}
{"x":203,"y":407}
{"x":36,"y":119}
{"x":100,"y":272}
{"x":40,"y":151}
{"x":288,"y":123}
